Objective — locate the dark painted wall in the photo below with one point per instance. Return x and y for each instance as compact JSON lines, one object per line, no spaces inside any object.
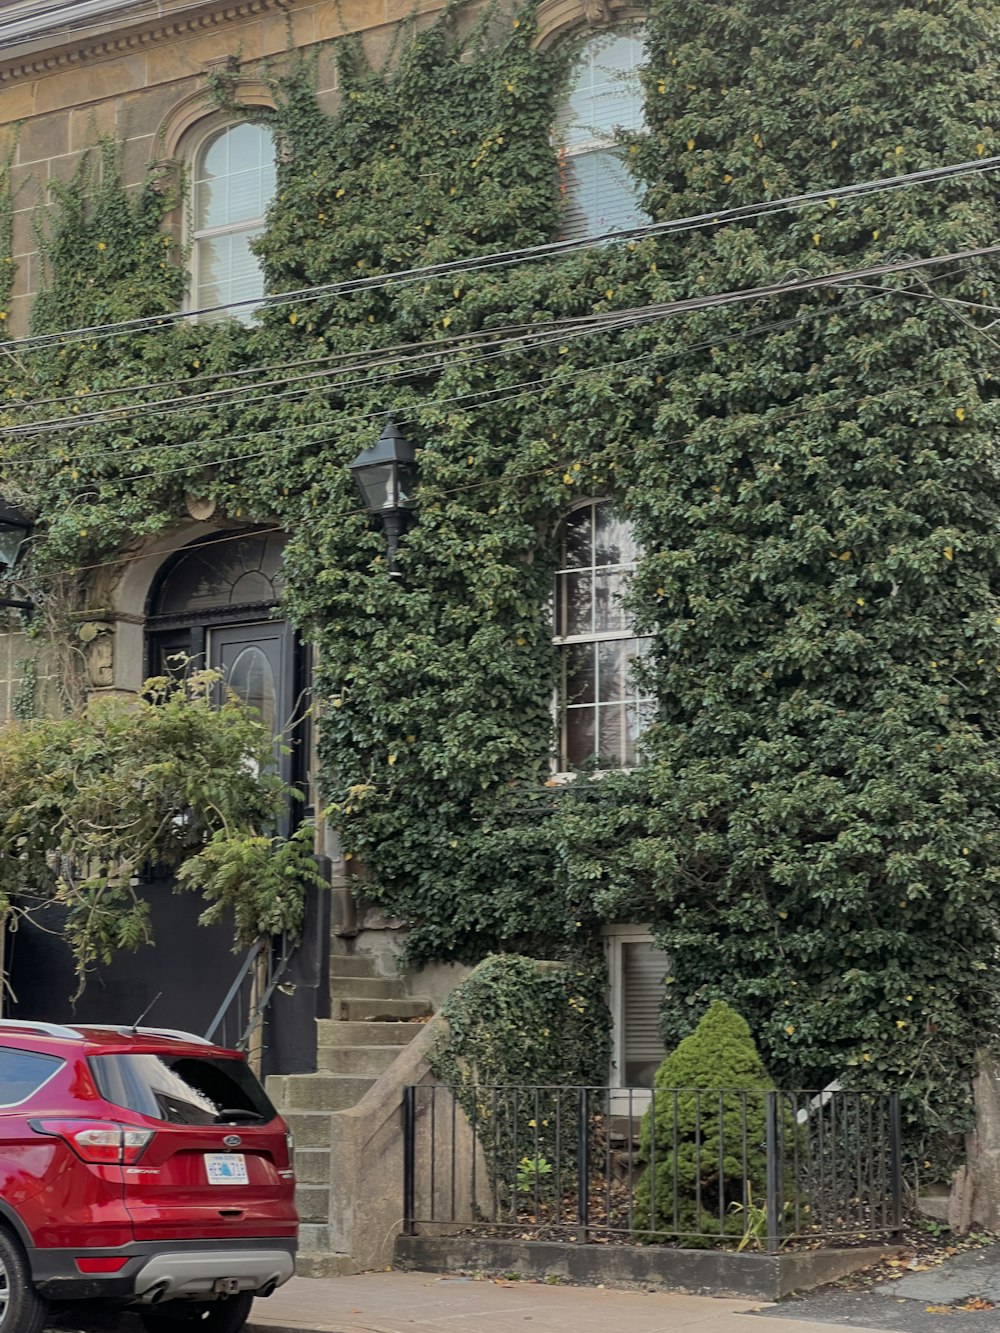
{"x":192,"y":965}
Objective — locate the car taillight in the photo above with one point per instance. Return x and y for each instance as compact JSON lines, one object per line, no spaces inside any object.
{"x":290,"y":1146}
{"x":99,"y":1141}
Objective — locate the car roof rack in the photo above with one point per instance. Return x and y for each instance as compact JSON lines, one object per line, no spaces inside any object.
{"x":125,"y":1030}
{"x":36,"y":1025}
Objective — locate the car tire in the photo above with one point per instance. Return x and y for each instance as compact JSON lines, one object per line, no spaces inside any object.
{"x":222,"y":1316}
{"x":22,"y":1310}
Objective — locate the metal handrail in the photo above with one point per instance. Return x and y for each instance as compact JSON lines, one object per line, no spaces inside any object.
{"x":276,"y":962}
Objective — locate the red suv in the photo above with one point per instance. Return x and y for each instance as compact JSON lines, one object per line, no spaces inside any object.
{"x":142,"y":1166}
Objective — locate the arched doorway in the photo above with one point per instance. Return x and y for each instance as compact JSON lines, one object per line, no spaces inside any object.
{"x":213,"y":604}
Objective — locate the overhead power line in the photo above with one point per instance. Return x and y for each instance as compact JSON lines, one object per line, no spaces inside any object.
{"x":603,"y":322}
{"x":480,"y":263}
{"x":795,"y":409}
{"x":363,"y":418}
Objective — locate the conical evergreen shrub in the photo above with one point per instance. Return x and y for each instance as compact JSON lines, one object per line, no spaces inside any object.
{"x":699,"y":1160}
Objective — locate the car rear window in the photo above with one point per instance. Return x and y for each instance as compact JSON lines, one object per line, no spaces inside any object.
{"x":182,"y":1089}
{"x":23,"y":1072}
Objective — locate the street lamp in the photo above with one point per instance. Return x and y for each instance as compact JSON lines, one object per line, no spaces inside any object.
{"x":14,"y":530}
{"x":386,"y":475}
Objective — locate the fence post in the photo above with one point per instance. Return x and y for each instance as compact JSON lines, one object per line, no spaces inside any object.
{"x":409,"y":1157}
{"x":896,"y":1163}
{"x":773,"y":1151}
{"x":583,"y":1167}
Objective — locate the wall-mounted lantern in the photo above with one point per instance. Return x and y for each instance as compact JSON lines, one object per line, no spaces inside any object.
{"x":386,"y":475}
{"x":15,"y":528}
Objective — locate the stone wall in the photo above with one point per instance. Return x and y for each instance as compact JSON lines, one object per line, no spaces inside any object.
{"x":17,"y":650}
{"x":144,"y":81}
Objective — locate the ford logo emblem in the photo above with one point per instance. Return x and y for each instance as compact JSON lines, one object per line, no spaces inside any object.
{"x":232,"y":1140}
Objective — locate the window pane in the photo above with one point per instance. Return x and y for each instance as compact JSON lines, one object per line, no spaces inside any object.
{"x":211,"y":203}
{"x":579,"y":734}
{"x":601,"y":196}
{"x":252,"y":679}
{"x":184,"y":1090}
{"x":599,"y":552}
{"x":614,"y":543}
{"x":612,"y":670}
{"x":638,"y":717}
{"x":611,"y":747}
{"x":234,"y":177}
{"x":579,"y":686}
{"x":217,"y":575}
{"x":577,"y":533}
{"x":244,"y":144}
{"x":24,"y":1072}
{"x":608,"y":611}
{"x":606,"y":95}
{"x":575,"y":610}
{"x":228,"y":271}
{"x":246,"y":281}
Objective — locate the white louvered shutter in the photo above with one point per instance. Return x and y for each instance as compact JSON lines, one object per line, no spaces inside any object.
{"x":643,"y":971}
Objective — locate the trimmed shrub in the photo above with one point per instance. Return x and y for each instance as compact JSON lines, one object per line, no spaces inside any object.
{"x":700,"y":1161}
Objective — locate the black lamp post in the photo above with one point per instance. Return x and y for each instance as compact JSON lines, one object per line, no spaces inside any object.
{"x":387,"y":476}
{"x":14,"y":530}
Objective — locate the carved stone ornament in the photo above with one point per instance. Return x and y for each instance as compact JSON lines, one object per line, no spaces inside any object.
{"x":201,"y":507}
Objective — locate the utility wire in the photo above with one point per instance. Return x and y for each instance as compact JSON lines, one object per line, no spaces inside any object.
{"x":363,"y":418}
{"x":720,"y":217}
{"x":503,"y":393}
{"x":790,"y":409}
{"x":604,"y":322}
{"x":315,"y":362}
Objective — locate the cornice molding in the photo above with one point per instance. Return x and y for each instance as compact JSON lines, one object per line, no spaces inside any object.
{"x":128,"y":38}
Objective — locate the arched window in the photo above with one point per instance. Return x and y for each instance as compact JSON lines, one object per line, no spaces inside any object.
{"x":605,"y":95}
{"x":601,"y":710}
{"x":233,"y":184}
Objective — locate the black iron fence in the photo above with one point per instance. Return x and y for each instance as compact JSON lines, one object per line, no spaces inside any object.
{"x":697,"y":1167}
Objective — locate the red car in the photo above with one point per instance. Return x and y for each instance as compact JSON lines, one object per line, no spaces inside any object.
{"x":141,"y":1166}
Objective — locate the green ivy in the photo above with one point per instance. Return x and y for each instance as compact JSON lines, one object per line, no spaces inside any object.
{"x":814,"y":833}
{"x":516,"y":1021}
{"x":88,"y":803}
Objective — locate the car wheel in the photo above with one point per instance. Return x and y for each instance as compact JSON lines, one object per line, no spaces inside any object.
{"x":22,"y":1310}
{"x":222,"y":1316}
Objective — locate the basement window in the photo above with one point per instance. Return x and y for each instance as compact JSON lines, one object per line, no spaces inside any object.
{"x":637,"y":970}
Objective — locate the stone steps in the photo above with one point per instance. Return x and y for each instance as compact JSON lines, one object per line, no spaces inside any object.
{"x":316,"y":1092}
{"x":351,"y":965}
{"x":360,"y":1061}
{"x":364,"y":1032}
{"x":366,"y":988}
{"x":355,"y":1011}
{"x":367,"y":1031}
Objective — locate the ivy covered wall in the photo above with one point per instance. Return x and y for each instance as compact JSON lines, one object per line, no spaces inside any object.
{"x":814,"y":832}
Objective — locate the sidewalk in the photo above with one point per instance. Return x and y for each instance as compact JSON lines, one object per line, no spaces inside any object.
{"x":409,"y":1302}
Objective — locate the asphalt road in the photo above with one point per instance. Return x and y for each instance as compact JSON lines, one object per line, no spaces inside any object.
{"x":929,"y":1302}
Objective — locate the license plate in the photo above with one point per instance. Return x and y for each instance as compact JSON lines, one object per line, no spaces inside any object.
{"x":226,"y":1168}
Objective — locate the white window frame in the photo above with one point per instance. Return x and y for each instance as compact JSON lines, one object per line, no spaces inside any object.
{"x":620,"y":1100}
{"x":211,"y":130}
{"x":600,"y":142}
{"x":561,"y":769}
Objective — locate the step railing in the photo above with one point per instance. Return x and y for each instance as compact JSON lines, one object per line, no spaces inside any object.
{"x":239,"y":1021}
{"x":695,"y":1167}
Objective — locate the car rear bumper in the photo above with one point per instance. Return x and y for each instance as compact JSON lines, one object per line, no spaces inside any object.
{"x":156,"y":1270}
